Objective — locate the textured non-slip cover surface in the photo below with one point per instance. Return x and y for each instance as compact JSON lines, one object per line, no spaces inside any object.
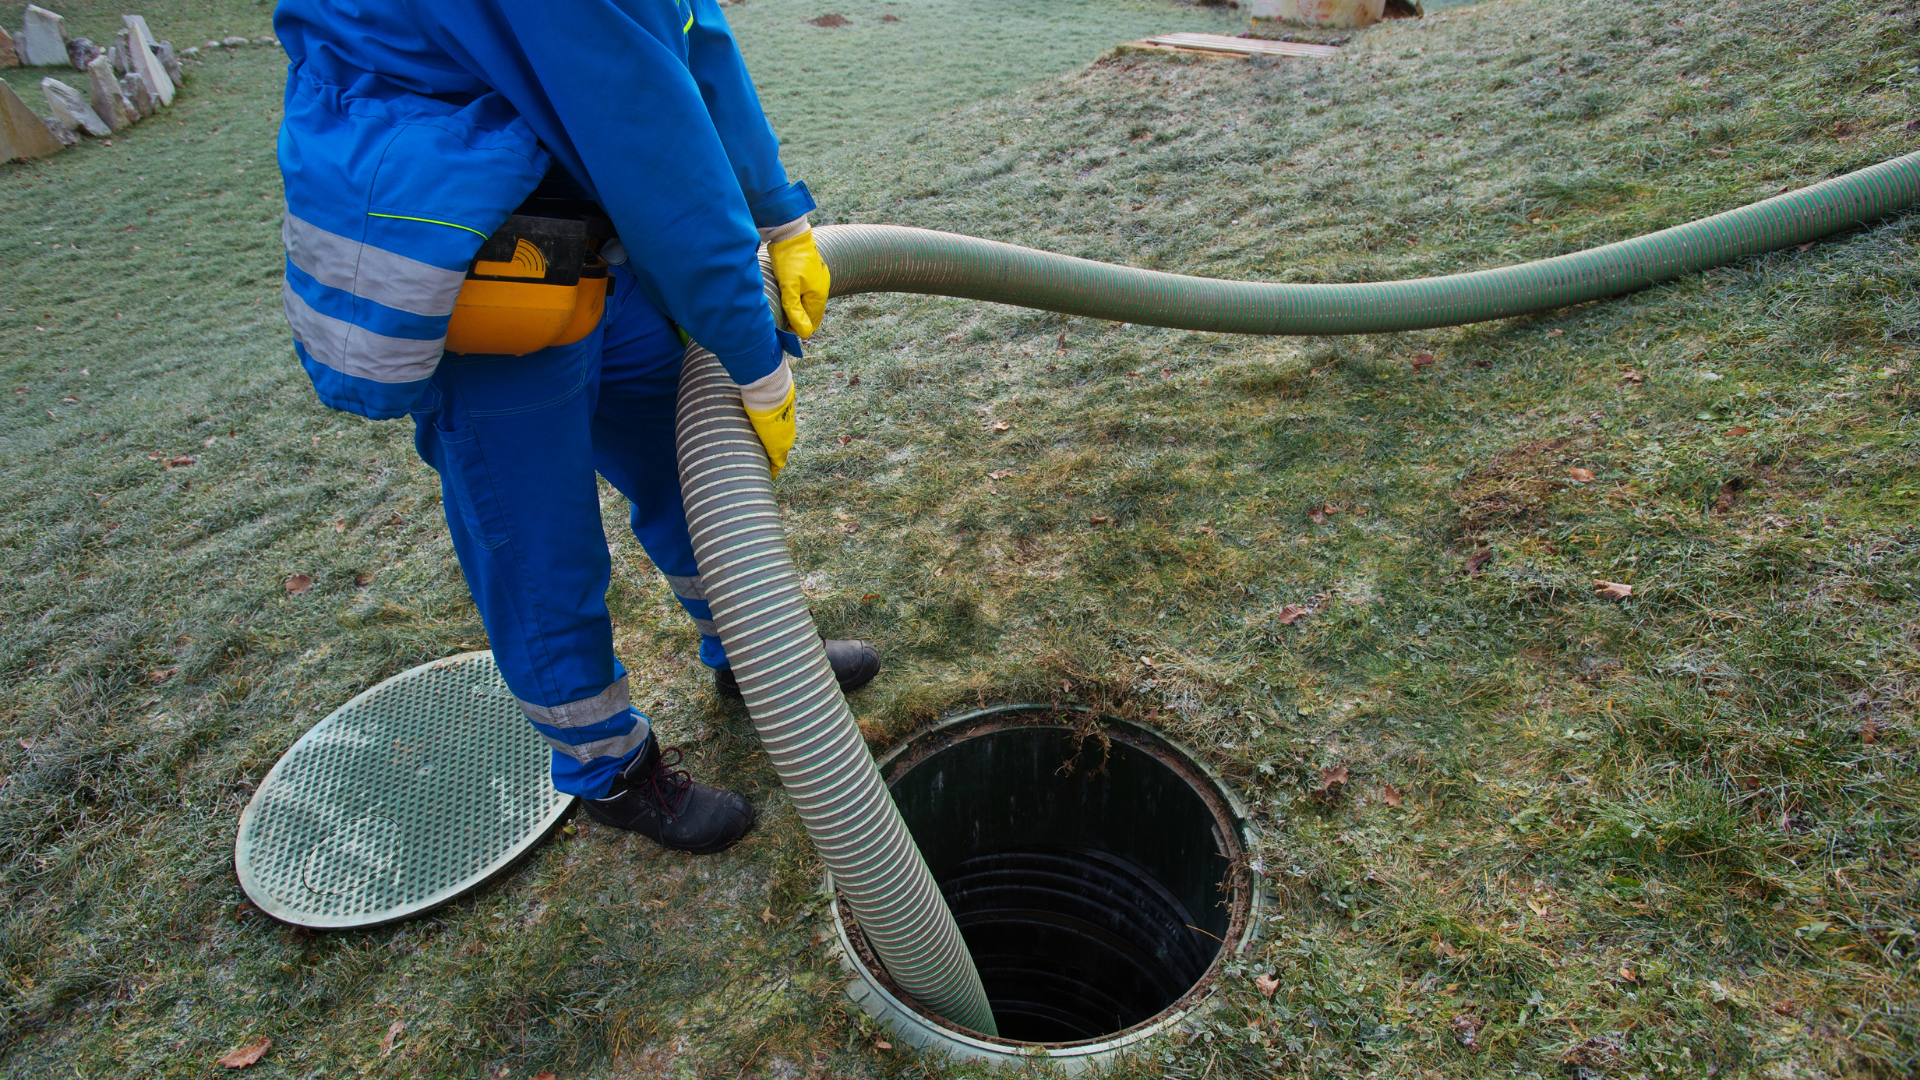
{"x":404,"y":798}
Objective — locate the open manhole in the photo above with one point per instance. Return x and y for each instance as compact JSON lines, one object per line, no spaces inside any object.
{"x":1097,"y":872}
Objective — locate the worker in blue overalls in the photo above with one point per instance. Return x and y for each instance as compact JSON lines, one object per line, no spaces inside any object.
{"x":415,"y":131}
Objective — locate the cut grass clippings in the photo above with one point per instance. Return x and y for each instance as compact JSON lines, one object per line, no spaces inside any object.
{"x":1571,"y":835}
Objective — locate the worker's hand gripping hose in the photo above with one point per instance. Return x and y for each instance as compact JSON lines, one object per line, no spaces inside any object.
{"x":797,"y":708}
{"x":887,"y":258}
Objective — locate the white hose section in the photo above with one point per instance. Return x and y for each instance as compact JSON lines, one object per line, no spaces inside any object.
{"x":797,"y":708}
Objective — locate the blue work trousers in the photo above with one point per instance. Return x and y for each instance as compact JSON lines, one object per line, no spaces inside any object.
{"x":516,"y":441}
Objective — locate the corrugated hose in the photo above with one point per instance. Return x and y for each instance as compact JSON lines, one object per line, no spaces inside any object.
{"x":796,"y":705}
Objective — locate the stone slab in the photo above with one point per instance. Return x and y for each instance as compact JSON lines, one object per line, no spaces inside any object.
{"x":169,"y":60}
{"x":140,"y":46}
{"x":71,"y":109}
{"x":23,"y":135}
{"x":106,"y":97}
{"x":135,"y":88}
{"x":43,"y":40}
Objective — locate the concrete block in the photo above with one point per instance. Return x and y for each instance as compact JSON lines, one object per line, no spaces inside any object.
{"x":23,"y":135}
{"x":140,"y":45}
{"x":43,"y":40}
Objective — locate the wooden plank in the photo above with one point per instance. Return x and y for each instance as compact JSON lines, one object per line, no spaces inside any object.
{"x":1243,"y":46}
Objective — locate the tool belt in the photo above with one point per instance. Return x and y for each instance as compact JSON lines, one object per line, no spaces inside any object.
{"x":537,"y":282}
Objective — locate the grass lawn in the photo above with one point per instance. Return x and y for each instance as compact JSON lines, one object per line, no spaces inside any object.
{"x":1674,"y":835}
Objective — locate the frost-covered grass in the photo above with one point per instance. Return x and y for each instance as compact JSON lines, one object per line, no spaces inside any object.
{"x":1671,"y":836}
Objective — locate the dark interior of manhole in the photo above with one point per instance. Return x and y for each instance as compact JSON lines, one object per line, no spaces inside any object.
{"x":1086,"y":878}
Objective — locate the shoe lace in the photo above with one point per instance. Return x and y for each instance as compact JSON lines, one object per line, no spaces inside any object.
{"x":667,"y":788}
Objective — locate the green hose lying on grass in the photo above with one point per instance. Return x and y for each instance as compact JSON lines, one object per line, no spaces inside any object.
{"x":889,"y":258}
{"x":796,"y":706}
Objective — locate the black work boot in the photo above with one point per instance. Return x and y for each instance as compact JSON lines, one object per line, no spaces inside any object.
{"x":855,"y":663}
{"x":659,"y":801}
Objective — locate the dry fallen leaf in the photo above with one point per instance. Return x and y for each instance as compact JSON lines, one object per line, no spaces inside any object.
{"x":1147,"y":660}
{"x":246,"y":1055}
{"x":878,"y":1044}
{"x":1267,"y":984}
{"x":1446,"y":949}
{"x":299,"y":583}
{"x":1738,"y":430}
{"x":999,"y":474}
{"x":160,"y":675}
{"x":362,"y":580}
{"x":156,"y":455}
{"x":1001,"y":425}
{"x":1539,"y":908}
{"x":1580,"y":476}
{"x":1477,"y":560}
{"x":1632,"y":376}
{"x":1318,"y":516}
{"x":1099,"y":521}
{"x":844,"y":440}
{"x":1424,"y":359}
{"x":1612,"y":590}
{"x":1207,"y":529}
{"x":1627,"y":975}
{"x":1290,"y":614}
{"x":339,"y":525}
{"x":544,"y":1076}
{"x":180,"y":462}
{"x":1555,"y":333}
{"x":1333,"y":779}
{"x":393,"y":1032}
{"x":1390,"y":794}
{"x":69,"y":400}
{"x":1869,"y":731}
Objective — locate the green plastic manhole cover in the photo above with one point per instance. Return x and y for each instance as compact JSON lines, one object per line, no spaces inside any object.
{"x":402,"y":799}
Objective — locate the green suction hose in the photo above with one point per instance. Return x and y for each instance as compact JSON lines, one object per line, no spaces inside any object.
{"x":762,"y":614}
{"x":888,"y":258}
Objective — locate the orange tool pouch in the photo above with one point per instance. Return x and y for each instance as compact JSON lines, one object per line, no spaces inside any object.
{"x":538,"y":281}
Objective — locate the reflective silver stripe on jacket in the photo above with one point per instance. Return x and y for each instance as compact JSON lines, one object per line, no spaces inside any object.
{"x":686,"y":588}
{"x":606,"y":704}
{"x":354,"y":350}
{"x":368,"y":272}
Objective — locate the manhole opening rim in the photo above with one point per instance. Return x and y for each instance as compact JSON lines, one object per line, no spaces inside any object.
{"x":1231,"y":821}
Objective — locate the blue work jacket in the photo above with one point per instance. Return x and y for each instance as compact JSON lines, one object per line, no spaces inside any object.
{"x":415,"y":127}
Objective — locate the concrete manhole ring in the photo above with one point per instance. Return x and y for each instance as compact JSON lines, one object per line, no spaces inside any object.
{"x":1097,"y":869}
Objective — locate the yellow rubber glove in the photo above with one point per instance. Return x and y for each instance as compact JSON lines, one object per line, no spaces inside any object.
{"x":769,"y":404}
{"x":803,"y":281}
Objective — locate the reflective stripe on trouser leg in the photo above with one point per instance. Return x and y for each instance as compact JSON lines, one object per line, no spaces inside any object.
{"x":602,"y":726}
{"x":633,"y":444}
{"x":511,"y":438}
